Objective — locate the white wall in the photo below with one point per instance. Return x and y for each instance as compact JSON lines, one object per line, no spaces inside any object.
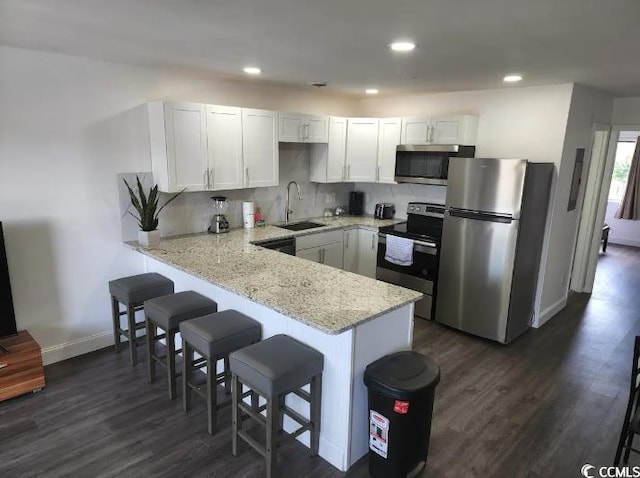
{"x":68,"y":125}
{"x":588,"y":106}
{"x":622,"y":231}
{"x":626,"y":111}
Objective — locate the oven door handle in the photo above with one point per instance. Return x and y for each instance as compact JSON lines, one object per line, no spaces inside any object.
{"x":418,"y":246}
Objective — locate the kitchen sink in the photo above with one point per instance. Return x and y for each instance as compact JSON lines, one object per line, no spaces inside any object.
{"x":301,"y":226}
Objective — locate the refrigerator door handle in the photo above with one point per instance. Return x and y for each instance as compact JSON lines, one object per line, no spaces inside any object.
{"x":481,"y":216}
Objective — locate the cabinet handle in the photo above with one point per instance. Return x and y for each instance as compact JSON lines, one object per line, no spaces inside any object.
{"x":428,"y":131}
{"x":349,"y":171}
{"x":373,"y":242}
{"x":306,"y":137}
{"x":211,"y":178}
{"x":246,"y":176}
{"x":431,"y":134}
{"x":205,"y":179}
{"x":323,"y":253}
{"x":377,"y":173}
{"x":320,"y":256}
{"x":347,"y":241}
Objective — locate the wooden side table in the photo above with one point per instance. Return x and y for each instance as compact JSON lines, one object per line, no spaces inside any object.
{"x":22,"y":371}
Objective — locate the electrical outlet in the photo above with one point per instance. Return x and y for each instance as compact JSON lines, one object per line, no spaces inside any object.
{"x":331,"y":198}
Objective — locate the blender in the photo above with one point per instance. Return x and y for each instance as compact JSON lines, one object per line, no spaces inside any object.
{"x":219,"y":223}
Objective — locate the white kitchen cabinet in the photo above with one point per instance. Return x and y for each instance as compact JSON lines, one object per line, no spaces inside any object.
{"x":328,"y":160}
{"x":350,"y":256}
{"x":311,"y":254}
{"x":299,"y":128}
{"x":367,"y":252}
{"x":457,"y":129}
{"x":260,"y":147}
{"x":362,"y":149}
{"x":388,"y":139}
{"x":224,"y":147}
{"x":178,"y":141}
{"x":323,"y":247}
{"x":332,"y":255}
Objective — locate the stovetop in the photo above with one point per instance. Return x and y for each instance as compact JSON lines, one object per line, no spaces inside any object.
{"x":424,"y":223}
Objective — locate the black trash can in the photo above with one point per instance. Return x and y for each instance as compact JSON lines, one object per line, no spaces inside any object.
{"x":401,"y":390}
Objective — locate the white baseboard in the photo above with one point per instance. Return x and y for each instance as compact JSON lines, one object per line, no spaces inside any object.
{"x":549,"y":312}
{"x":68,"y":350}
{"x":623,"y":241}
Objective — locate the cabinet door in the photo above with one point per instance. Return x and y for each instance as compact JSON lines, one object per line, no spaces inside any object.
{"x":350,"y":259}
{"x":316,"y":129}
{"x":312,"y":254}
{"x":332,"y":255}
{"x":224,"y":145}
{"x":186,"y":139}
{"x":460,"y":129}
{"x":362,"y":149}
{"x":337,"y":150}
{"x":367,"y":252}
{"x":416,"y":130}
{"x":388,"y":140}
{"x":260,"y":148}
{"x":290,"y":127}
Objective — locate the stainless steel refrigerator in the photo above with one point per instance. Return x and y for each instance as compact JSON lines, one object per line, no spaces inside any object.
{"x":492,"y":238}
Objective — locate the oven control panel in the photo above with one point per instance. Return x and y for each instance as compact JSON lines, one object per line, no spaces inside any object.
{"x":426,"y":209}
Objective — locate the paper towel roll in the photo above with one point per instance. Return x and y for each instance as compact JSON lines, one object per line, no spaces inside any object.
{"x":249,"y":221}
{"x":248,"y":207}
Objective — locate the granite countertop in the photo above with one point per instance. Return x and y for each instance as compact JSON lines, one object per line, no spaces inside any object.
{"x":323,"y":297}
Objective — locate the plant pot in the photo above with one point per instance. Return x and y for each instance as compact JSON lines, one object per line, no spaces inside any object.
{"x":149,"y":238}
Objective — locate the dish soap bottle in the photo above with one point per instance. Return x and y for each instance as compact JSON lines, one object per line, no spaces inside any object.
{"x":259,"y":219}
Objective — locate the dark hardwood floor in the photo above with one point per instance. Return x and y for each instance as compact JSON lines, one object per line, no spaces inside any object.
{"x":540,"y":407}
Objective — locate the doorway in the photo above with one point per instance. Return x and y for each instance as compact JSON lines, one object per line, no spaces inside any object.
{"x":608,"y":169}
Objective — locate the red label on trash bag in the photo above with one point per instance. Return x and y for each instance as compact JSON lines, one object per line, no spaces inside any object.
{"x":401,"y":407}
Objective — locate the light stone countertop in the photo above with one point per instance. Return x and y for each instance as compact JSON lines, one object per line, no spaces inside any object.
{"x":323,"y":297}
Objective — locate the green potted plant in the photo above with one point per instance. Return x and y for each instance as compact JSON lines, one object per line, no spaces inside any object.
{"x":147,"y":207}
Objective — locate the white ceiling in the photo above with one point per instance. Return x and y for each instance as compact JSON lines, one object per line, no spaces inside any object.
{"x":462,"y":44}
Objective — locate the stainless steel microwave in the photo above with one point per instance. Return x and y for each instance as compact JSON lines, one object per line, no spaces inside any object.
{"x":428,"y":164}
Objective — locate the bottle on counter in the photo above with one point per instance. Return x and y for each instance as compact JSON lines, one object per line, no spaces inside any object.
{"x":259,"y":220}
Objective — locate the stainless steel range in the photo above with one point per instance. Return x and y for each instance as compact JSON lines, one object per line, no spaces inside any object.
{"x":424,"y":228}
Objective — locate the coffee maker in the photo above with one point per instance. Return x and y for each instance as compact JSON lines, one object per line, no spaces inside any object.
{"x":219,"y":223}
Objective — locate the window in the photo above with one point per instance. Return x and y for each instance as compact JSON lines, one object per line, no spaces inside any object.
{"x":624,"y":153}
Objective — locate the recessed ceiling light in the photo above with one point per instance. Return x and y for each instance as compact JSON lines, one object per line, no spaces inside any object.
{"x":512,"y":78}
{"x":402,"y":46}
{"x":252,"y":70}
{"x":372,"y":91}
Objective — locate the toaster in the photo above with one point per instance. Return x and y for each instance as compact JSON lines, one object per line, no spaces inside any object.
{"x":385,"y":210}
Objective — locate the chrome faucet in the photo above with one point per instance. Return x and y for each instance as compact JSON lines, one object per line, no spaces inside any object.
{"x":288,"y":211}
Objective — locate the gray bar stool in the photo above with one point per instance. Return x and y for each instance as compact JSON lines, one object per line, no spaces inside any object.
{"x":132,"y":291}
{"x":214,"y":337}
{"x":274,"y":368}
{"x":166,"y":313}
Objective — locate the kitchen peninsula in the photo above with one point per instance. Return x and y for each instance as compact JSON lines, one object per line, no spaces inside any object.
{"x":351,"y":319}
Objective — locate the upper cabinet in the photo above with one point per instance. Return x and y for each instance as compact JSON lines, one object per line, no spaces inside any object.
{"x":458,"y":129}
{"x":206,"y":147}
{"x":299,"y":128}
{"x":388,"y":140}
{"x":328,"y":160}
{"x":224,"y":147}
{"x":178,"y":140}
{"x":260,"y":147}
{"x":362,"y":150}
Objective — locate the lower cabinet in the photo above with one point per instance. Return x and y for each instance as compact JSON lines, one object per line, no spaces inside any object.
{"x":325,"y":248}
{"x":360,"y":251}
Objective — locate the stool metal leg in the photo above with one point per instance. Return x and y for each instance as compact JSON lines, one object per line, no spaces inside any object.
{"x":212,"y":397}
{"x":227,"y":375}
{"x":236,"y":420}
{"x":131,"y":318}
{"x":281,"y":403}
{"x":187,"y":366}
{"x":151,"y":342}
{"x":272,"y":435}
{"x":316,"y":405}
{"x":171,"y":362}
{"x":115,"y":314}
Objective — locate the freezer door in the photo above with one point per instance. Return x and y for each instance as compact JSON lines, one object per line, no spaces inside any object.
{"x":490,"y":185}
{"x":476,"y":271}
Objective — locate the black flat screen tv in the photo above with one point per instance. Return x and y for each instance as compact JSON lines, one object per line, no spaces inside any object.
{"x":7,"y":314}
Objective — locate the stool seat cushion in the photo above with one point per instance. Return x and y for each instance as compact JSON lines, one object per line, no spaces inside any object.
{"x":136,"y":289}
{"x":276,"y":365}
{"x":219,"y":334}
{"x":169,"y":310}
